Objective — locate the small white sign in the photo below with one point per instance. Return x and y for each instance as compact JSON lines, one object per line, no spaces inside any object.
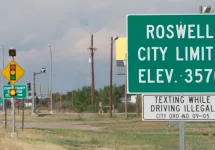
{"x":187,"y":108}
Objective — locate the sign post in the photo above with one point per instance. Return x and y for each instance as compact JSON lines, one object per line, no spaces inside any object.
{"x":181,"y":140}
{"x":13,"y":72}
{"x":171,"y":55}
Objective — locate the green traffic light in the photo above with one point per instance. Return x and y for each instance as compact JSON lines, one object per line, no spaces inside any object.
{"x":12,"y":77}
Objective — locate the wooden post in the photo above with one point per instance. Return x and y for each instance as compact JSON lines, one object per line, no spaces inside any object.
{"x":100,"y":108}
{"x":23,"y":109}
{"x":5,"y":102}
{"x":18,"y":107}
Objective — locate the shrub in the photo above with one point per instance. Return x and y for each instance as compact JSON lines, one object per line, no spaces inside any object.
{"x":131,"y":107}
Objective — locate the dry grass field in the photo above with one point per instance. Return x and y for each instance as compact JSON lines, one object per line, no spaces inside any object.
{"x":93,"y":132}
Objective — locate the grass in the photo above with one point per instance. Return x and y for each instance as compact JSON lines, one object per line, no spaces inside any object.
{"x":116,"y":133}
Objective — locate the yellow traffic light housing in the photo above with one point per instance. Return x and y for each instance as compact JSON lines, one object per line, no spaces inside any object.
{"x":12,"y":92}
{"x":13,"y":72}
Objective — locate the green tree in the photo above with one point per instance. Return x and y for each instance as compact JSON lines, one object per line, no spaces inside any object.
{"x":82,"y":99}
{"x":116,"y":94}
{"x":121,"y":89}
{"x":104,"y":95}
{"x":56,"y":97}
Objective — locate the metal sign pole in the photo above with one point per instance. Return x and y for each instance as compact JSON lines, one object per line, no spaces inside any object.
{"x":13,"y":134}
{"x":181,"y":134}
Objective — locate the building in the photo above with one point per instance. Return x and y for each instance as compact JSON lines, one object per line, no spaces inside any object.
{"x":131,"y":99}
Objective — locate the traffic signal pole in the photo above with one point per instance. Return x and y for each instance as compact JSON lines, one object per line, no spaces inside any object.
{"x":13,"y":134}
{"x":43,"y":70}
{"x":33,"y":99}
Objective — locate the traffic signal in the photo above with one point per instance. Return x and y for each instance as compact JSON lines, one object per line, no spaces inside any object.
{"x":12,"y":52}
{"x":13,"y":72}
{"x":37,"y":100}
{"x":29,"y":86}
{"x":12,"y":92}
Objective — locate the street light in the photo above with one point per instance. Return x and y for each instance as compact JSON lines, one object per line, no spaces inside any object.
{"x":51,"y":111}
{"x":111,"y":74}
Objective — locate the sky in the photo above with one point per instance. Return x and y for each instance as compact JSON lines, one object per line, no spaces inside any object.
{"x":67,"y":25}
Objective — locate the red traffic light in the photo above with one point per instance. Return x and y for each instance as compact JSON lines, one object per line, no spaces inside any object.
{"x":12,"y":67}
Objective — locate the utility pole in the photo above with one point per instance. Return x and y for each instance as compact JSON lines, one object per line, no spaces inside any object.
{"x":200,"y":10}
{"x":92,"y":71}
{"x":111,"y":75}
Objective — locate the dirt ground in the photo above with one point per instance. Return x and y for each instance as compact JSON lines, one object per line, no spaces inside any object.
{"x":94,"y":132}
{"x":51,"y":124}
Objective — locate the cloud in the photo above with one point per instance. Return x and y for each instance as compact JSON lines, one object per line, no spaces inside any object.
{"x":67,"y":26}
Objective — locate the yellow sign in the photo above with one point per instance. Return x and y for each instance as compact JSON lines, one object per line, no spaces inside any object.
{"x":13,"y":72}
{"x":121,"y":48}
